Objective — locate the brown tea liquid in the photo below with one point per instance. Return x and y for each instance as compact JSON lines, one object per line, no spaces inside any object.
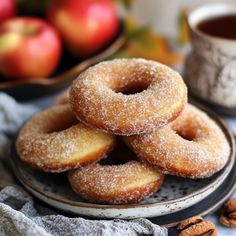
{"x":221,"y":26}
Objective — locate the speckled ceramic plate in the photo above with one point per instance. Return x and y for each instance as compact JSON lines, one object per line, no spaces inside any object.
{"x":175,"y":195}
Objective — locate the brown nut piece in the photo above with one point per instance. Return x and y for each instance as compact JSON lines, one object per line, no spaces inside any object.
{"x":228,"y":215}
{"x":196,"y":226}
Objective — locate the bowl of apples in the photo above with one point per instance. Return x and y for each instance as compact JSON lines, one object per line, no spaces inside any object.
{"x":43,"y":54}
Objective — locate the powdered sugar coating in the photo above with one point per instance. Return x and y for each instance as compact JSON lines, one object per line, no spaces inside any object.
{"x":96,"y":96}
{"x":54,"y":140}
{"x":116,"y":184}
{"x":191,"y":146}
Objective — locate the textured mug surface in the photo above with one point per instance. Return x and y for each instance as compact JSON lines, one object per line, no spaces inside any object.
{"x":210,"y":68}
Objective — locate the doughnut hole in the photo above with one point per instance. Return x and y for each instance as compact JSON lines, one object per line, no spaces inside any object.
{"x":186,"y":133}
{"x":120,"y":155}
{"x":189,"y":128}
{"x":134,"y":89}
{"x":133,"y":80}
{"x":61,"y":124}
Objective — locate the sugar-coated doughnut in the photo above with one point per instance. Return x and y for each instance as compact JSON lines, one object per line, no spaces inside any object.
{"x":116,"y":184}
{"x":98,"y":96}
{"x":55,"y":141}
{"x":191,"y":146}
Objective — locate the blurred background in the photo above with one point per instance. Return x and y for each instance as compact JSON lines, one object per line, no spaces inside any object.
{"x":37,"y":61}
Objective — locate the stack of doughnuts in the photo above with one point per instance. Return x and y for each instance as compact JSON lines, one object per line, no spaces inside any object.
{"x":139,"y":102}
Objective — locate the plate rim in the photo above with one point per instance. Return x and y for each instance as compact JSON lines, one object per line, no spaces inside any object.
{"x":225,"y":171}
{"x":214,"y":207}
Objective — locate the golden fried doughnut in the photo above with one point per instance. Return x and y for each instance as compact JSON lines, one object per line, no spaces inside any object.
{"x":98,"y":96}
{"x":191,"y":146}
{"x":116,"y":184}
{"x":55,"y":141}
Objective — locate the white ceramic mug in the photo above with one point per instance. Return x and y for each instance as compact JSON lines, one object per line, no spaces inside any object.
{"x":210,"y":68}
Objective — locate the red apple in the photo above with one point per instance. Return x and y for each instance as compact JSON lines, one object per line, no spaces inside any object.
{"x":85,"y":25}
{"x":7,"y":9}
{"x":29,"y":47}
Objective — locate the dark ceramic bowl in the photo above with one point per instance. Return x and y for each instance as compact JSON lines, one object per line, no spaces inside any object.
{"x":68,"y":69}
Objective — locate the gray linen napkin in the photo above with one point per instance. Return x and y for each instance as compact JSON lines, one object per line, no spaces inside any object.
{"x":20,"y":215}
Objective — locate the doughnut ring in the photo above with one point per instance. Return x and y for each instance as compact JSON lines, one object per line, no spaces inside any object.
{"x":191,"y":146}
{"x":117,"y":184}
{"x":98,"y":96}
{"x":62,"y":142}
